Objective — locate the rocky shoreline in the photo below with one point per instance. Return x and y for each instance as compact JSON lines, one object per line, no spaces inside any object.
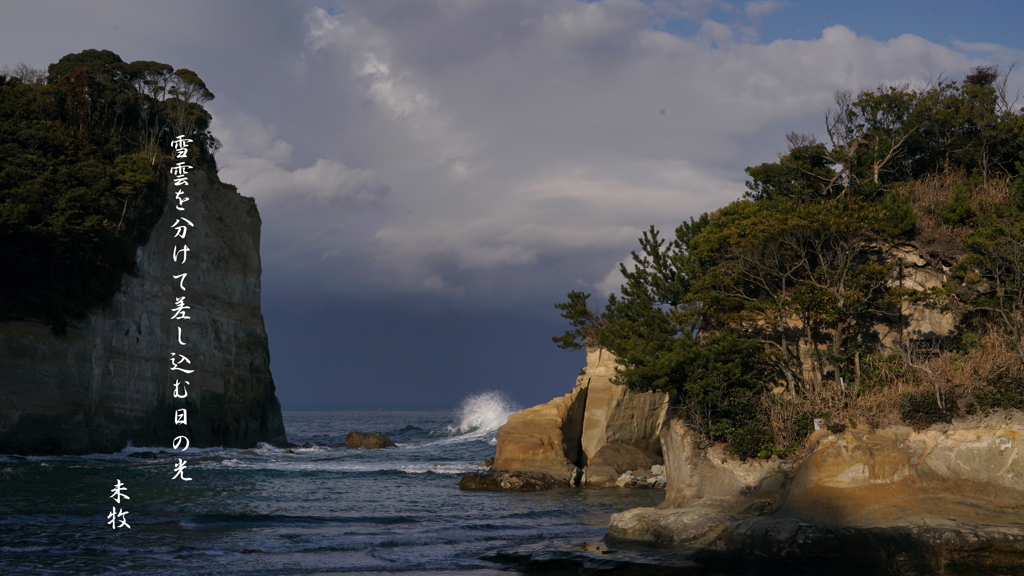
{"x":948,"y":499}
{"x":592,"y":436}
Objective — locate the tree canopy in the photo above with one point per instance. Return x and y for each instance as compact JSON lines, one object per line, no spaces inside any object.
{"x":782,"y":297}
{"x":84,"y":173}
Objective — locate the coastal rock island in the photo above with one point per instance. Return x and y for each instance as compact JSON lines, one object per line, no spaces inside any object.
{"x":105,"y":382}
{"x":590,"y":436}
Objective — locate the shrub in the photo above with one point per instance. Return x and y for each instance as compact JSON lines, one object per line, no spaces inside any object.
{"x":921,"y":409}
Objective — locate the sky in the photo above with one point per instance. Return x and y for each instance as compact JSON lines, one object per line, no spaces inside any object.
{"x":433,"y":175}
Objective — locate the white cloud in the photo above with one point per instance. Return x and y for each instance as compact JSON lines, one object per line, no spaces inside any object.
{"x":252,"y":159}
{"x":760,"y":8}
{"x":488,"y":149}
{"x":542,"y":137}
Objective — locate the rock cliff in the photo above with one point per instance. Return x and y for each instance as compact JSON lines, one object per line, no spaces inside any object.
{"x":905,"y":502}
{"x":107,"y":381}
{"x":598,"y":423}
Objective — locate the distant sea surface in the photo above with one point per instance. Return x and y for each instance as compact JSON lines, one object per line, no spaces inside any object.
{"x":322,"y":509}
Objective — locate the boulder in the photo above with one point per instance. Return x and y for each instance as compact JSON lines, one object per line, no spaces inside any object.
{"x":900,"y":477}
{"x":368,"y":441}
{"x":558,"y":439}
{"x":706,"y":490}
{"x":614,"y":459}
{"x":544,"y":440}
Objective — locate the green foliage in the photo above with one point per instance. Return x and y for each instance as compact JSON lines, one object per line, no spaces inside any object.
{"x":991,"y":276}
{"x":1017,"y":187}
{"x":958,"y":211}
{"x":751,"y":441}
{"x":585,"y":323}
{"x":1002,"y":392}
{"x":878,"y":369}
{"x":83,"y":178}
{"x":898,"y":220}
{"x":921,"y":409}
{"x":790,"y":285}
{"x":805,"y":173}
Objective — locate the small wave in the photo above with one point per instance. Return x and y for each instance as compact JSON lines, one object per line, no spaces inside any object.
{"x":483,"y":413}
{"x":356,"y":467}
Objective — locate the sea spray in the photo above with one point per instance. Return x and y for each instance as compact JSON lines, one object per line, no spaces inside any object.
{"x":482,"y":413}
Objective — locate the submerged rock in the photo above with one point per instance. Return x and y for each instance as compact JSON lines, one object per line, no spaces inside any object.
{"x":368,"y":441}
{"x":510,"y":481}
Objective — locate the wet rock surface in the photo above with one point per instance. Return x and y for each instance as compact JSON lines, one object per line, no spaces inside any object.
{"x":510,"y":482}
{"x":371,"y":441}
{"x":592,"y":435}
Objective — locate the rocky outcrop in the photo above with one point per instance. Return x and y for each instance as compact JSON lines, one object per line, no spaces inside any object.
{"x":555,"y":444}
{"x":613,"y":460}
{"x":544,"y":440}
{"x":935,"y":498}
{"x":107,"y":381}
{"x":616,"y":414}
{"x":508,"y":482}
{"x":372,"y":441}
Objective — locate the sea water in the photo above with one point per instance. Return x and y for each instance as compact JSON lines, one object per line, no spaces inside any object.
{"x":314,"y":510}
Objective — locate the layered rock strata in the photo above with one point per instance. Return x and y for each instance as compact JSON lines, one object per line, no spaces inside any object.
{"x":107,"y":381}
{"x":589,"y":436}
{"x":910,"y":502}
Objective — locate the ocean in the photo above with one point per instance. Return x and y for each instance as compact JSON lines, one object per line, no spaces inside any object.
{"x":320,"y":509}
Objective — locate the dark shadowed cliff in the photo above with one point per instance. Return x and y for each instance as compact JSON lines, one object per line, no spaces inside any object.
{"x":107,"y":382}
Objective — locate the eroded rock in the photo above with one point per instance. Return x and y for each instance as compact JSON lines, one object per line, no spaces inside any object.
{"x":510,"y":482}
{"x":616,"y":414}
{"x":544,"y":440}
{"x":366,"y":441}
{"x":106,"y":382}
{"x":614,"y":459}
{"x":945,"y":500}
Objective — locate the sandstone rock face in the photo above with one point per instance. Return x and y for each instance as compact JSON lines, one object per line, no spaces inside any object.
{"x":614,"y":459}
{"x":910,"y":502}
{"x":710,"y":478}
{"x":901,"y":477}
{"x":544,"y":439}
{"x":366,"y":441}
{"x":706,"y":491}
{"x":554,"y":442}
{"x":615,"y":414}
{"x":919,"y":274}
{"x":107,"y":381}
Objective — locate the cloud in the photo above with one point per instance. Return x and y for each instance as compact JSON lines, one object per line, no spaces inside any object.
{"x":253,"y":159}
{"x":491,"y":141}
{"x":489,"y":151}
{"x":760,"y":8}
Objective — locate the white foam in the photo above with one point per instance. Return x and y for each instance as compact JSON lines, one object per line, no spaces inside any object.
{"x":483,"y":413}
{"x":407,"y":467}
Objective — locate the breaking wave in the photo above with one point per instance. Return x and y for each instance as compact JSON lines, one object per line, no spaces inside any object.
{"x":484,"y":413}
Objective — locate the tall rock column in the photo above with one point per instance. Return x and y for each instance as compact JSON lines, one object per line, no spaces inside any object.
{"x":107,"y":381}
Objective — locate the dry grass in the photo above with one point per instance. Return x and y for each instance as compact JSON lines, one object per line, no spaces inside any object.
{"x":928,"y":196}
{"x":958,"y":377}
